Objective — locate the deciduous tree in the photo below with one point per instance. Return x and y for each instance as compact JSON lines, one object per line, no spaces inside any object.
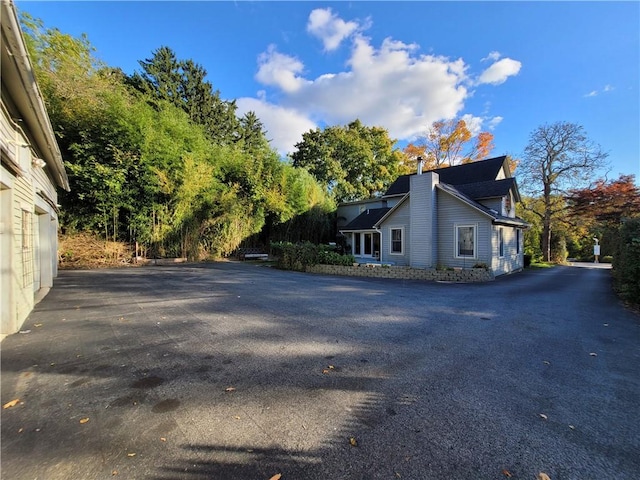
{"x":558,"y":157}
{"x":444,"y":145}
{"x":352,"y":162}
{"x":606,"y":202}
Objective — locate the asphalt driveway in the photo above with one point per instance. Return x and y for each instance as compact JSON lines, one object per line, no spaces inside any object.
{"x":240,"y":371}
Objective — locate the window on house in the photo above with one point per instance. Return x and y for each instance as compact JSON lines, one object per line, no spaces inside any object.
{"x":27,"y":248}
{"x":396,"y":241}
{"x":356,"y":244}
{"x":501,"y":241}
{"x":465,"y":241}
{"x":518,"y":240}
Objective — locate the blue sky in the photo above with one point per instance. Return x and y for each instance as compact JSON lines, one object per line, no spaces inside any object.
{"x":505,"y":67}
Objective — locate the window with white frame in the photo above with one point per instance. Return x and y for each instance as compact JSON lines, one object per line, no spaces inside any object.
{"x":501,"y":241}
{"x":397,"y":245}
{"x":465,"y":238}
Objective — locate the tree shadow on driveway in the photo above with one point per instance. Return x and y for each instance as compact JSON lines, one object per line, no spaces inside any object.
{"x":239,"y":372}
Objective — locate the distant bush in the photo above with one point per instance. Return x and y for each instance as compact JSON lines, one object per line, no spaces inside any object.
{"x":607,"y":259}
{"x":297,"y":256}
{"x":626,"y":261}
{"x":527,"y":260}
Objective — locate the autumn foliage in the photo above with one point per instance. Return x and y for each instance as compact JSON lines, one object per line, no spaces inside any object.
{"x":445,"y":142}
{"x":607,"y":203}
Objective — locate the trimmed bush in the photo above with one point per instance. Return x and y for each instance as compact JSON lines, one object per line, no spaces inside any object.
{"x":297,"y":256}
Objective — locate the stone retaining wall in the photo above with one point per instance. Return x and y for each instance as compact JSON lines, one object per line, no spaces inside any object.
{"x":407,"y":273}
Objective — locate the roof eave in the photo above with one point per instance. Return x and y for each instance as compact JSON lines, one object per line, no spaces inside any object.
{"x":31,"y":103}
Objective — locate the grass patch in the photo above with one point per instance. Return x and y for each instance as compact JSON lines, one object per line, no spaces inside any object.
{"x":541,"y":265}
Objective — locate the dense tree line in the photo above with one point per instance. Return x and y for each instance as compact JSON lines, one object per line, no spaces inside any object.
{"x":158,"y":158}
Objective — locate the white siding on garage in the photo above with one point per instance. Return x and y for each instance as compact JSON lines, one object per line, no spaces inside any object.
{"x":397,"y":219}
{"x":452,"y":212}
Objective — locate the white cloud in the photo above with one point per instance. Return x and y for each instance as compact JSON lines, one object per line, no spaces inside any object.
{"x":493,"y":56}
{"x":279,"y":70}
{"x":594,"y":93}
{"x":329,"y":28}
{"x":284,"y":126}
{"x":499,"y":71}
{"x":493,"y":122}
{"x":474,"y":124}
{"x":392,"y":86}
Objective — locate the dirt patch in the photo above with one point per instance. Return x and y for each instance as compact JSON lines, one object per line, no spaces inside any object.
{"x":83,"y":250}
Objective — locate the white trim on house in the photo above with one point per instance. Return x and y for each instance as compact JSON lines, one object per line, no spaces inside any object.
{"x":456,"y":242}
{"x":391,"y":240}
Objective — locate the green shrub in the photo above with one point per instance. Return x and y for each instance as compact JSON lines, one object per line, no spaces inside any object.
{"x":626,"y":261}
{"x":607,"y":259}
{"x":481,"y":265}
{"x":297,"y":256}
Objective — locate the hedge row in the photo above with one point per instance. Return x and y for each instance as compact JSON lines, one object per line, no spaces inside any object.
{"x":297,"y":256}
{"x":626,"y":261}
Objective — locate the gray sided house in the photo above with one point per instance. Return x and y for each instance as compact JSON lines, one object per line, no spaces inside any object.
{"x":459,"y":217}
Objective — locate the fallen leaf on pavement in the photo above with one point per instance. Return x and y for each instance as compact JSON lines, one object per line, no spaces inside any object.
{"x":37,"y":324}
{"x":132,"y":454}
{"x":25,"y":331}
{"x":84,"y":420}
{"x":162,"y":439}
{"x":353,"y":442}
{"x":325,"y":371}
{"x":542,"y":416}
{"x":546,"y":362}
{"x":593,"y":354}
{"x":507,"y":473}
{"x":230,"y":389}
{"x":277,"y":476}
{"x":114,"y":473}
{"x":543,"y":476}
{"x":10,"y":404}
{"x":572,"y":427}
{"x":331,"y":367}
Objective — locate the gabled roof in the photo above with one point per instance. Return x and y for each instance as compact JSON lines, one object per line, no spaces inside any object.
{"x":366,"y":220}
{"x":489,"y":189}
{"x":474,"y":172}
{"x":496,"y":216}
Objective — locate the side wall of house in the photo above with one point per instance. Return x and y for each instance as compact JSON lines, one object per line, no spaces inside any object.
{"x":28,"y":228}
{"x":452,"y":213}
{"x":400,"y":218}
{"x":512,"y":258}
